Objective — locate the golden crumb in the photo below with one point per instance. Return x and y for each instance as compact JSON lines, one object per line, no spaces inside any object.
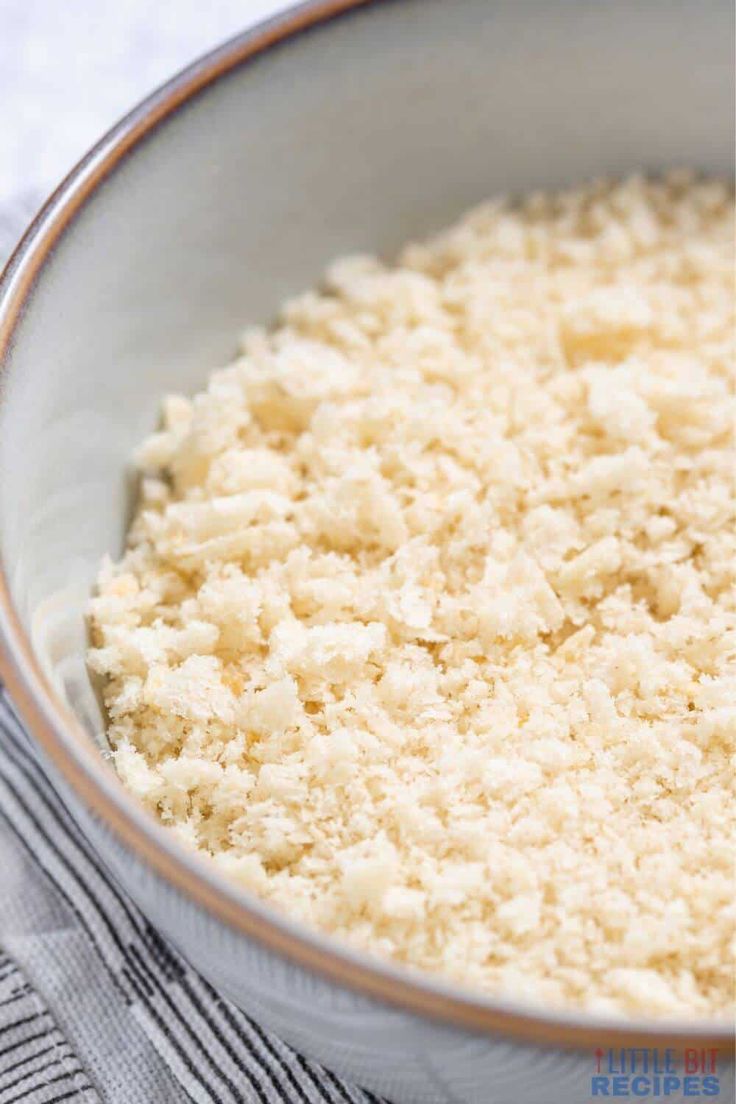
{"x":426,"y":629}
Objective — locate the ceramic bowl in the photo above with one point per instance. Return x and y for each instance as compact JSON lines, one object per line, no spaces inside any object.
{"x":341,"y":126}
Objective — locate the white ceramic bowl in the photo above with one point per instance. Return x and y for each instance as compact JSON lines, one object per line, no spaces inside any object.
{"x":341,"y":126}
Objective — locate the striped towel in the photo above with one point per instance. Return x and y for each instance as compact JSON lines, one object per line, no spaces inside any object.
{"x":37,"y":1062}
{"x":95,"y":1005}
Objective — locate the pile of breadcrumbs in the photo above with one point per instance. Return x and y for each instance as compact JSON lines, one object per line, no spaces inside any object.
{"x":425,"y":632}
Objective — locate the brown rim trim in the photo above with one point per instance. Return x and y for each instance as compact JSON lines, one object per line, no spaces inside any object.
{"x":64,"y":741}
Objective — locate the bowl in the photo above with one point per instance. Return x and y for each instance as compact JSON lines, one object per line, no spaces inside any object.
{"x":341,"y":126}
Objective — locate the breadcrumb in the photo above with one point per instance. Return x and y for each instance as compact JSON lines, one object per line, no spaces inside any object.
{"x":426,"y":628}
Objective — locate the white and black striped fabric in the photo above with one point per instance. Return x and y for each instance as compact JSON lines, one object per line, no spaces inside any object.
{"x":95,"y":1006}
{"x":37,"y":1065}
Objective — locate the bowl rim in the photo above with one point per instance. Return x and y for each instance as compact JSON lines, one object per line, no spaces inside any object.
{"x":66,"y":744}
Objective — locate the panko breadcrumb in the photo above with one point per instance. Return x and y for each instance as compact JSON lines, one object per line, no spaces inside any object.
{"x":425,"y":631}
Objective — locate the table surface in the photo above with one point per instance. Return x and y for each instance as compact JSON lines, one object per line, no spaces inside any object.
{"x":69,"y":70}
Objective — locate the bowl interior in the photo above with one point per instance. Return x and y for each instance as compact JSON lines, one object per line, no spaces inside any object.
{"x":356,"y":134}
